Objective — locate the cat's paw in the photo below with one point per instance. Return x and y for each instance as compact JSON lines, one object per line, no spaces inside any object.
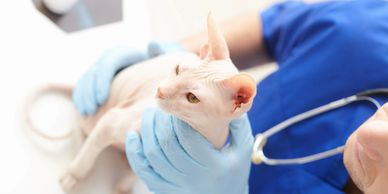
{"x":125,"y":186}
{"x":68,"y":181}
{"x":120,"y":191}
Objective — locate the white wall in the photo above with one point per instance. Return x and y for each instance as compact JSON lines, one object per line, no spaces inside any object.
{"x":172,"y":19}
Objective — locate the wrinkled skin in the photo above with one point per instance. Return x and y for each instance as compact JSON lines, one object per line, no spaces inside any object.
{"x":366,"y":154}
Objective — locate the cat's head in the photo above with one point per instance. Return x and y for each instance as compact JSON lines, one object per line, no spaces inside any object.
{"x":208,"y":92}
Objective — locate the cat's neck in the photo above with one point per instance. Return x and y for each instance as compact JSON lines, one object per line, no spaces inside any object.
{"x":215,"y":132}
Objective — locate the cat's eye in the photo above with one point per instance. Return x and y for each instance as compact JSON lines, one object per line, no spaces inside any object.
{"x":192,"y":98}
{"x":177,"y":70}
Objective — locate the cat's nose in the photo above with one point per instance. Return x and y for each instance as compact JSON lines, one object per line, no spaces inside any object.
{"x":159,"y":93}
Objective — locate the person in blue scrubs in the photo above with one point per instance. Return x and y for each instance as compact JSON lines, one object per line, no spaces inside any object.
{"x":325,"y":51}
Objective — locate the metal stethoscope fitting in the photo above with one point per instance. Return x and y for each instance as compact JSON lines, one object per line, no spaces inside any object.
{"x":258,"y":155}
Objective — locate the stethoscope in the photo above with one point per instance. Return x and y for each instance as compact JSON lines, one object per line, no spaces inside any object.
{"x":258,"y":155}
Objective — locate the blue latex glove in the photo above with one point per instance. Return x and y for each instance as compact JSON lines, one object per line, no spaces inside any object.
{"x":173,"y":158}
{"x":93,"y":88}
{"x":159,"y":48}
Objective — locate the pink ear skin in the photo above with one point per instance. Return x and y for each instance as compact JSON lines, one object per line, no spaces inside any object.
{"x":244,"y":88}
{"x":203,"y":53}
{"x":218,"y":49}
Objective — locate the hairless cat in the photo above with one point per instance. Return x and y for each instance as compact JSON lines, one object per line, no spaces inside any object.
{"x":206,"y":91}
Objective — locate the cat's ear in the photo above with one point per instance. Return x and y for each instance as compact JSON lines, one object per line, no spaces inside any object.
{"x":217,"y":47}
{"x":203,"y":53}
{"x":243,"y":87}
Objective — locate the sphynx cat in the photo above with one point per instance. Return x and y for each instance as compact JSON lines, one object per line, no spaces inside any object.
{"x":207,"y":92}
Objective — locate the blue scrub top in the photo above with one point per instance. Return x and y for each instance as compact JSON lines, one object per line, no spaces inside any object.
{"x":325,"y":51}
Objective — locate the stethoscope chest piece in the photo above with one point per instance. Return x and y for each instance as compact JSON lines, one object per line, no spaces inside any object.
{"x":258,"y":156}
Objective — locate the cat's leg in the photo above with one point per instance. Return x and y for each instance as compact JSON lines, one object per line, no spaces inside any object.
{"x":110,"y":129}
{"x":126,"y":183}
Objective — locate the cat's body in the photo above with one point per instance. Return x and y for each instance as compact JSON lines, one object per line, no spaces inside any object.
{"x":207,"y":92}
{"x":135,"y":88}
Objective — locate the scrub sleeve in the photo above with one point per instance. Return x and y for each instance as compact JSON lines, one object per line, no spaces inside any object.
{"x":325,"y":51}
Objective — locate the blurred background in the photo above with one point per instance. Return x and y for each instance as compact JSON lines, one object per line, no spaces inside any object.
{"x":39,"y":47}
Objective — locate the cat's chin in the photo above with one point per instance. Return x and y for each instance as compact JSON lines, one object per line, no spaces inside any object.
{"x":163,"y":105}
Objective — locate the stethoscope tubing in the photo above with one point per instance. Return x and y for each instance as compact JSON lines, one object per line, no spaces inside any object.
{"x":258,"y":155}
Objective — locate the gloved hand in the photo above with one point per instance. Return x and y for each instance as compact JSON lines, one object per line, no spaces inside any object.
{"x":93,"y":88}
{"x":173,"y":158}
{"x":159,"y":48}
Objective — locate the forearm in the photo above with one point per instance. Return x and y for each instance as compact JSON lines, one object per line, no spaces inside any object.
{"x":243,"y":35}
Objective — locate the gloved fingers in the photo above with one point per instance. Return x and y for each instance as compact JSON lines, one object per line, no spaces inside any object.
{"x":241,"y":143}
{"x":77,"y":99}
{"x":106,"y":71}
{"x":89,"y":97}
{"x":172,"y":148}
{"x":93,"y":88}
{"x":154,"y":49}
{"x":132,"y":56}
{"x":102,"y":85}
{"x":122,"y":56}
{"x":195,"y":145}
{"x":111,"y":55}
{"x":140,"y":164}
{"x":159,"y":48}
{"x":241,"y":132}
{"x":110,"y":63}
{"x":152,"y":149}
{"x":82,"y":95}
